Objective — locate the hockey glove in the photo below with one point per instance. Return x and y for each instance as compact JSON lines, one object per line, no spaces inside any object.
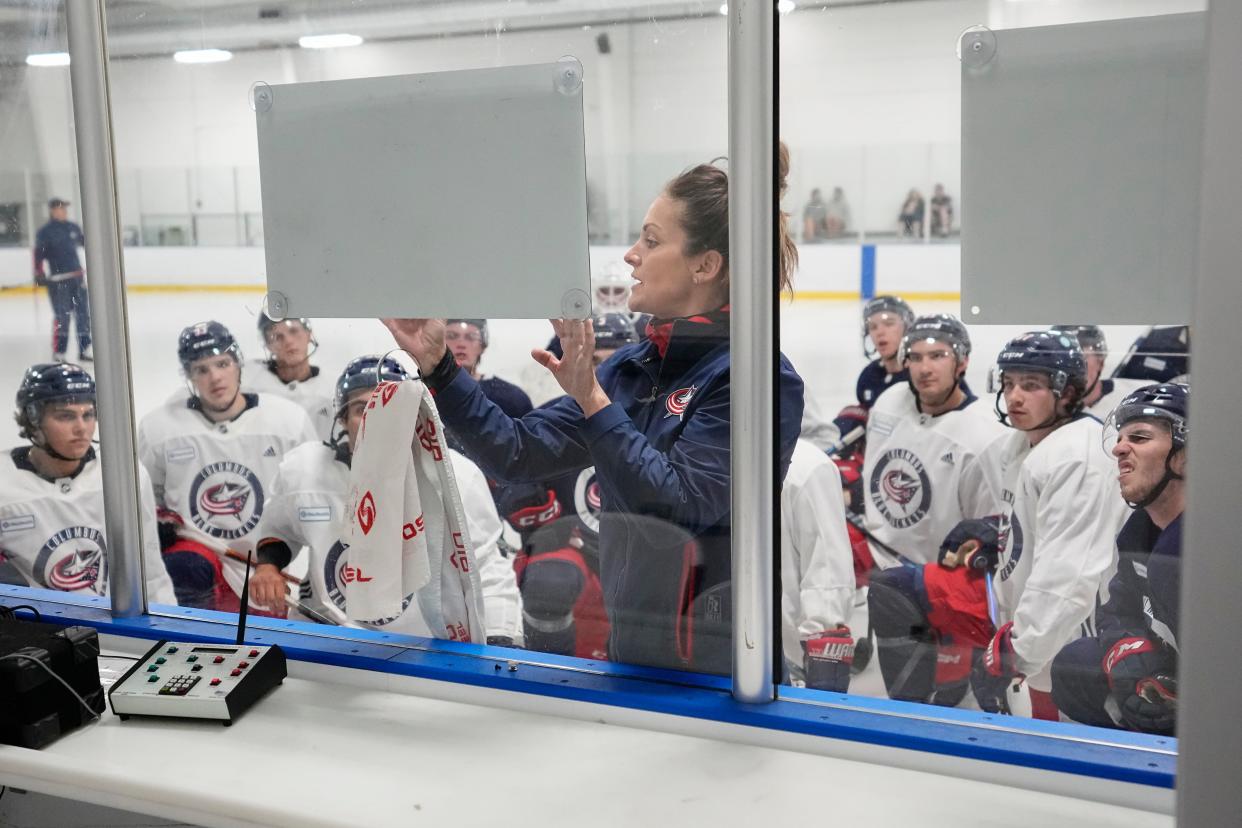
{"x":1132,"y":659}
{"x":994,"y":673}
{"x":972,"y":543}
{"x":167,"y":526}
{"x":1153,"y":706}
{"x":827,"y":658}
{"x":528,"y":508}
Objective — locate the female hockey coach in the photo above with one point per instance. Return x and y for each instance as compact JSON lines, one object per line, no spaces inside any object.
{"x":653,"y":420}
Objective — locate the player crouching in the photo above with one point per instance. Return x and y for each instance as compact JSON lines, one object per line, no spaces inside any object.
{"x":307,"y":506}
{"x":1126,"y":675}
{"x":212,"y":458}
{"x":51,"y":491}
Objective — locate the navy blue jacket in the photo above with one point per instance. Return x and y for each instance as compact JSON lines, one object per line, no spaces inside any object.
{"x":1143,"y":595}
{"x":661,"y":455}
{"x":57,"y":242}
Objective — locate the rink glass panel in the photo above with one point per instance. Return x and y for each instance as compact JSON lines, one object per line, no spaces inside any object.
{"x":911,"y":86}
{"x":52,"y":533}
{"x":192,"y":209}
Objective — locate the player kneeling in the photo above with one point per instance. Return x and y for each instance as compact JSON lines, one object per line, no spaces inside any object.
{"x":308,"y":506}
{"x":51,"y":491}
{"x":1126,"y":675}
{"x":1055,"y":519}
{"x":212,"y":457}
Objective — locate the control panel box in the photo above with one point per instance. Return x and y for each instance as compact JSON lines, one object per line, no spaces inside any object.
{"x":198,"y":681}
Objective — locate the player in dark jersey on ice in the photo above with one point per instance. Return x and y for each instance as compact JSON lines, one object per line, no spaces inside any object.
{"x":885,"y":320}
{"x":1126,"y":675}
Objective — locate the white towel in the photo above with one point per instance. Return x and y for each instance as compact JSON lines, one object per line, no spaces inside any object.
{"x":408,"y":550}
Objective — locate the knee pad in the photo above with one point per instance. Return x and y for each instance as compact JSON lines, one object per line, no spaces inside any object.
{"x":193,"y":578}
{"x":893,"y":601}
{"x":550,"y":589}
{"x":1079,"y":686}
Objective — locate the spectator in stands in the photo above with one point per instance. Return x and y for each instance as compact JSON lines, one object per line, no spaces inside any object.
{"x":941,"y":212}
{"x":837,"y":220}
{"x":911,"y":216}
{"x":815,"y":218}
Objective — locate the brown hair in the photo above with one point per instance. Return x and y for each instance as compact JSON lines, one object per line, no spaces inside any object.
{"x":703,"y":191}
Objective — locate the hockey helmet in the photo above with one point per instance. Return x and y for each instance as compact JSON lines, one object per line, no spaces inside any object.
{"x":365,"y":372}
{"x":1090,"y":337}
{"x":1057,"y":355}
{"x":614,"y":330}
{"x":206,"y":339}
{"x":50,"y":382}
{"x":884,"y":304}
{"x":1166,"y":401}
{"x":941,"y":327}
{"x":481,"y":324}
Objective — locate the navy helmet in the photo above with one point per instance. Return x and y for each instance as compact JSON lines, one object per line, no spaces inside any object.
{"x":206,"y":339}
{"x":266,"y":323}
{"x":941,"y":327}
{"x":884,"y":304}
{"x":1167,"y":401}
{"x":481,"y":324}
{"x":50,"y":382}
{"x":1056,"y":354}
{"x":365,"y":372}
{"x":1160,"y":355}
{"x":1090,"y":337}
{"x":613,"y":330}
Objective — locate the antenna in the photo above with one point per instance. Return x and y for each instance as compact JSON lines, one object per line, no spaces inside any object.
{"x":245,"y":603}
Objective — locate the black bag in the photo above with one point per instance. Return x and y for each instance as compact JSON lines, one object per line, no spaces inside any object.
{"x":35,"y":708}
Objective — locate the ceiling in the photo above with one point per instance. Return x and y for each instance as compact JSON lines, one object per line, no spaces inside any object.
{"x":150,"y":27}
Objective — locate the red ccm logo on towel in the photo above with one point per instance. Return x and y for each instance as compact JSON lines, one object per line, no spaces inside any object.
{"x":366,"y":513}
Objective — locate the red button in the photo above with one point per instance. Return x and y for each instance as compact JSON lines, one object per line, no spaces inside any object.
{"x":214,"y":682}
{"x":254,"y":653}
{"x":218,"y":659}
{"x":235,"y":673}
{"x":243,"y":664}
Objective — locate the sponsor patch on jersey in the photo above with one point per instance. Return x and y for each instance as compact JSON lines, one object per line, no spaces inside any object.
{"x":180,"y":455}
{"x":16,"y":523}
{"x":338,"y":575}
{"x":900,"y":488}
{"x":881,"y":424}
{"x":315,"y":514}
{"x":73,"y":560}
{"x":226,"y":500}
{"x":587,"y":501}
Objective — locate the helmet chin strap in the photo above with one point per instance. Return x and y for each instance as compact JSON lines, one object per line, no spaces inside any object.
{"x":918,"y":401}
{"x":1157,"y":490}
{"x":47,"y":449}
{"x":225,"y":408}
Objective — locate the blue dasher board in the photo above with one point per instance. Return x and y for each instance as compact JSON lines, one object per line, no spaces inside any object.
{"x":445,"y":194}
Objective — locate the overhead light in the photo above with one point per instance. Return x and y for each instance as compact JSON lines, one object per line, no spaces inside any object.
{"x":786,"y":6}
{"x":202,"y":56}
{"x":48,"y":59}
{"x":329,"y":41}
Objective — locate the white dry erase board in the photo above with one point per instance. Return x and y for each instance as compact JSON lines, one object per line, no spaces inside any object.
{"x":444,"y":194}
{"x":1080,"y":171}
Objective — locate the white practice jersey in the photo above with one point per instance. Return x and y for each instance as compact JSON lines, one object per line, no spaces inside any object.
{"x":1058,"y":546}
{"x":216,"y":476}
{"x":817,"y":563}
{"x":53,"y":530}
{"x":1114,"y":391}
{"x":307,"y":508}
{"x":313,"y":395}
{"x":921,"y":476}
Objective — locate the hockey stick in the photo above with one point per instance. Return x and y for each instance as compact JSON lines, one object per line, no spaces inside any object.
{"x":856,"y":522}
{"x":290,"y":601}
{"x":237,"y":556}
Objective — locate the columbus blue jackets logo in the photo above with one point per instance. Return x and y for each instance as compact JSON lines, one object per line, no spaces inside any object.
{"x":226,"y":500}
{"x":1009,"y":541}
{"x":587,"y":501}
{"x":73,"y":560}
{"x":900,"y":488}
{"x":677,"y":401}
{"x":338,"y":575}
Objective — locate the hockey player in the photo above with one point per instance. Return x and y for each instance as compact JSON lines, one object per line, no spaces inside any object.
{"x":1054,"y":522}
{"x":921,"y":476}
{"x":467,"y":339}
{"x":817,"y":574}
{"x":885,"y":320}
{"x":1102,"y":394}
{"x":308,"y":507}
{"x":287,"y":371}
{"x":51,"y":491}
{"x":212,"y":457}
{"x":1126,"y":675}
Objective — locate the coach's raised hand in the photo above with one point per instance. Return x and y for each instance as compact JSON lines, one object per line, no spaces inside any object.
{"x":422,"y":339}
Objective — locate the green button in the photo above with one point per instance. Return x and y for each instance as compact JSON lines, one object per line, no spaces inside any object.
{"x":160,"y":660}
{"x":172,"y":649}
{"x":191,"y":658}
{"x":152,"y":669}
{"x":153,"y":678}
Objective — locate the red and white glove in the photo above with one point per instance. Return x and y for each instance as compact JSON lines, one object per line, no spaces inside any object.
{"x":827,"y":658}
{"x":995,"y":672}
